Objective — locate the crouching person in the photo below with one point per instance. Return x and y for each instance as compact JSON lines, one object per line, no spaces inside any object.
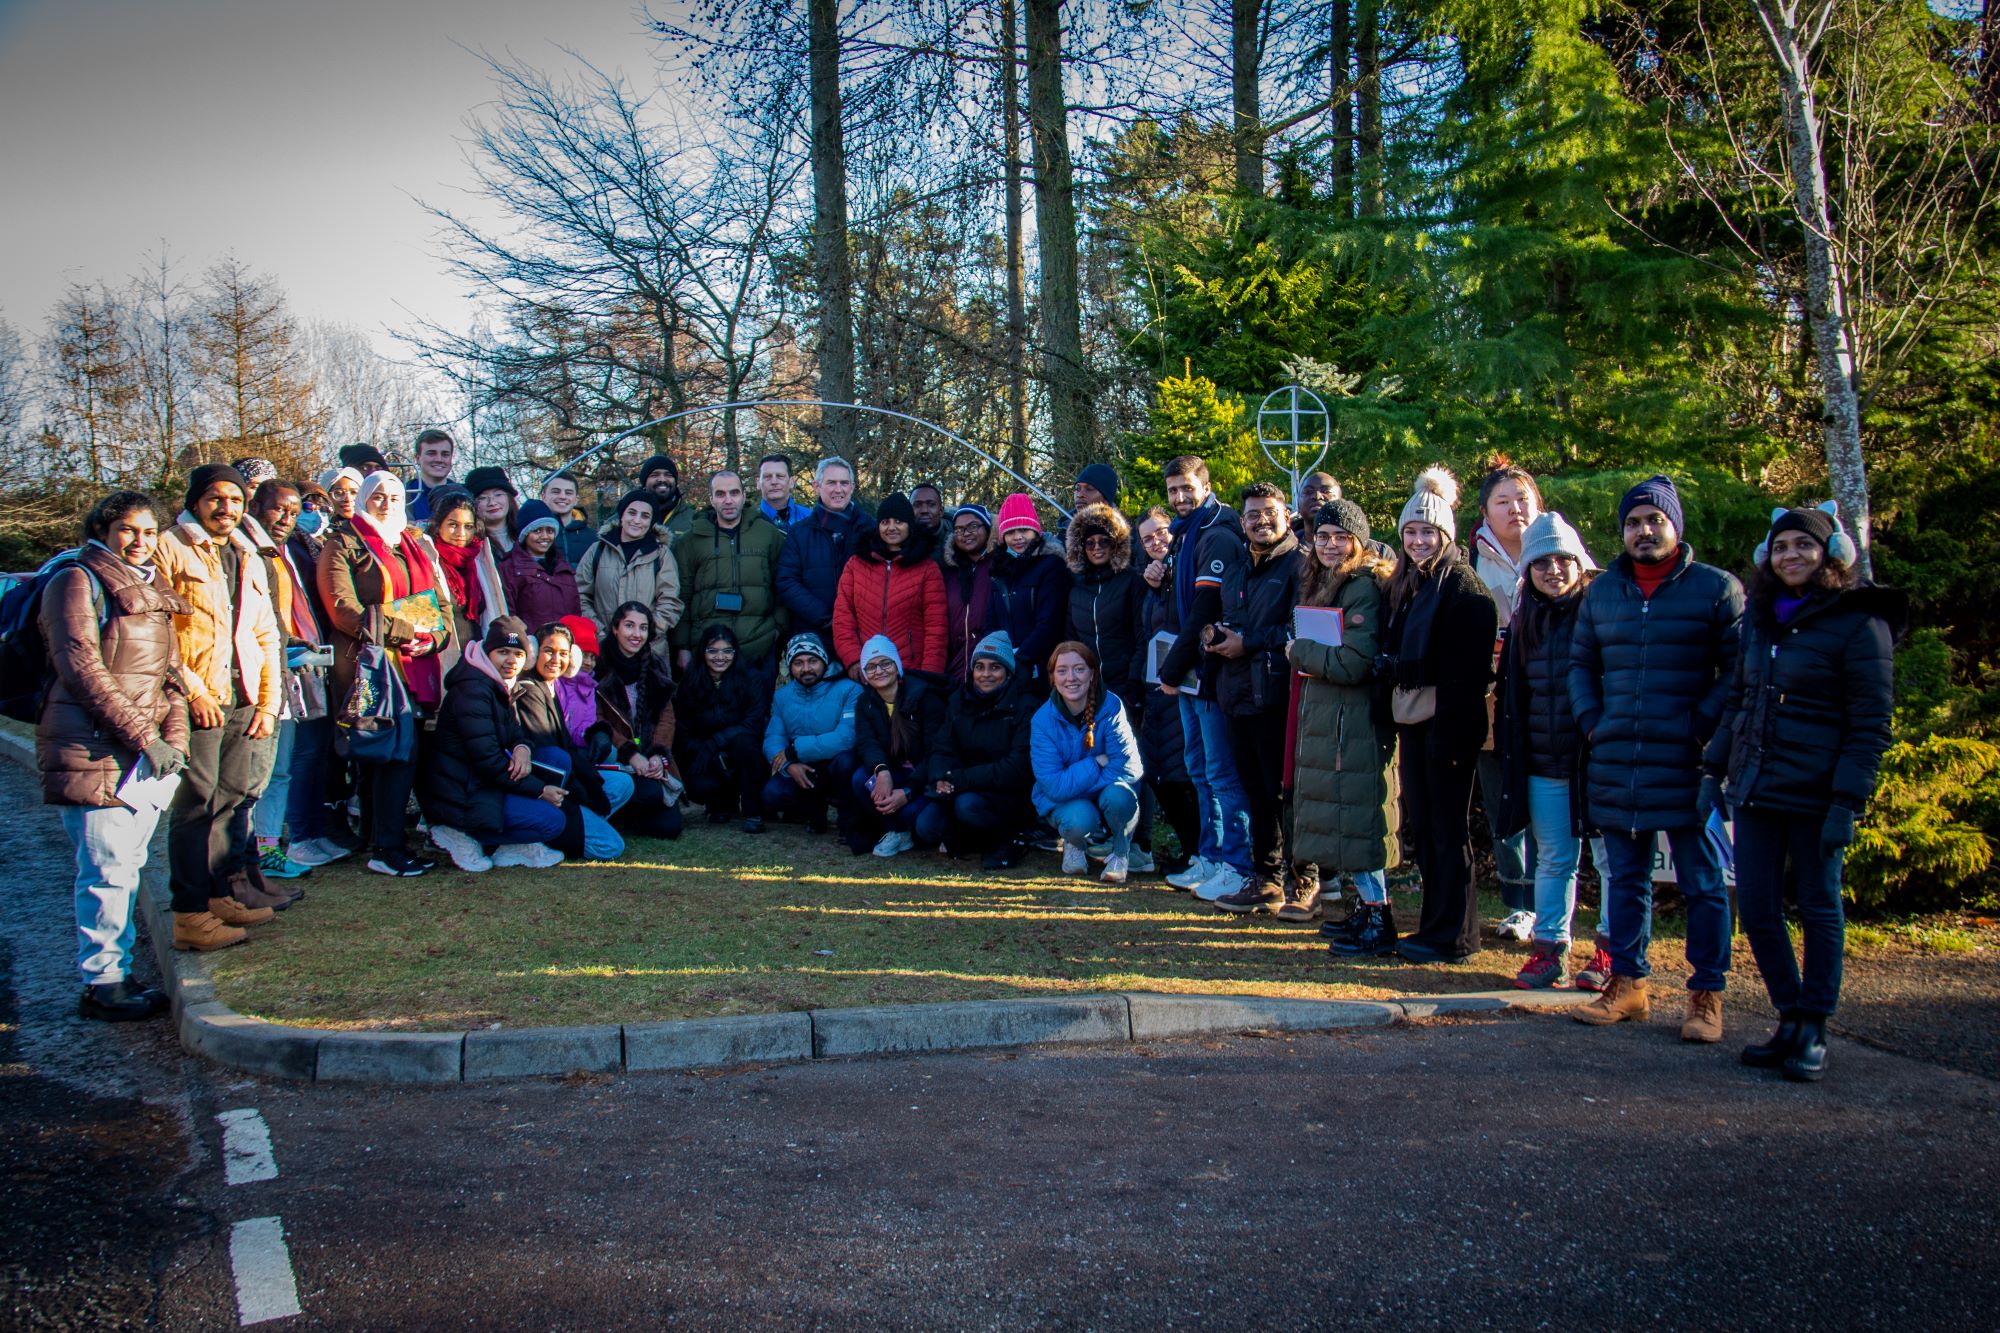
{"x":979,"y":766}
{"x":809,"y":742}
{"x":481,"y":789}
{"x":896,"y":727}
{"x":112,"y":740}
{"x":719,"y":730}
{"x":544,"y":714}
{"x":1086,"y":763}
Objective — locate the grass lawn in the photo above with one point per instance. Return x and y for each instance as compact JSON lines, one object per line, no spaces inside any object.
{"x":723,"y":923}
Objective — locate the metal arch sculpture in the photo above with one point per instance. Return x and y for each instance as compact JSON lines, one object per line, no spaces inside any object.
{"x":1298,"y":405}
{"x":671,"y":417}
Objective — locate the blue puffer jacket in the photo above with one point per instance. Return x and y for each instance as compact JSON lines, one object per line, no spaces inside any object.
{"x":1647,"y":682}
{"x":815,"y":724}
{"x":1065,"y":768}
{"x":816,"y":550}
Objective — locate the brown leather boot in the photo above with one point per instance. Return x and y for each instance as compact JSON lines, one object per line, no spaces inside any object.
{"x":232,"y":913}
{"x":1704,"y":1016}
{"x":244,"y":890}
{"x":1624,"y":998}
{"x":202,"y":931}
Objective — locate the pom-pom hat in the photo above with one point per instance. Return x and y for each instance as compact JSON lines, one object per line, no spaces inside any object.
{"x":1432,"y":502}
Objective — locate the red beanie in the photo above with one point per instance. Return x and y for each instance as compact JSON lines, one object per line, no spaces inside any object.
{"x":1018,"y":511}
{"x":581,"y":632}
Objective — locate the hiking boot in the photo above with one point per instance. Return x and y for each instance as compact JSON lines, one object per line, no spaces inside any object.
{"x":1704,"y":1016}
{"x":1597,"y":974}
{"x":1075,"y":859}
{"x":1344,"y":928}
{"x":202,"y":931}
{"x":1261,"y":896}
{"x":1772,"y":1054}
{"x":1807,"y":1064}
{"x":1197,"y":870}
{"x":1301,"y":903}
{"x":1622,"y":998}
{"x":1546,"y":969}
{"x":1116,"y":868}
{"x":120,"y":1002}
{"x":1375,"y":937}
{"x":463,"y":849}
{"x":245,"y":889}
{"x":232,"y":913}
{"x":276,"y":864}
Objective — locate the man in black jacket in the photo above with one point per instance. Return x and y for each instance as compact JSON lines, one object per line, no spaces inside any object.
{"x":1654,"y":644}
{"x":1253,"y":688}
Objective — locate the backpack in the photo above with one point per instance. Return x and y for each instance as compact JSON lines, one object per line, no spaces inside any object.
{"x":25,"y":671}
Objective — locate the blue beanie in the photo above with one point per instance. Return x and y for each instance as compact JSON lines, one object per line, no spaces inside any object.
{"x":1658,"y":491}
{"x":535,"y":514}
{"x":1105,"y":479}
{"x":997,"y":646}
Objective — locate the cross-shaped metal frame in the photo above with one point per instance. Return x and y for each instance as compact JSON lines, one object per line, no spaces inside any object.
{"x":1298,"y":404}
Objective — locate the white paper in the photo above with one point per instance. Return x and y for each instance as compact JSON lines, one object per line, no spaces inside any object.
{"x":144,"y":790}
{"x":1156,"y":655}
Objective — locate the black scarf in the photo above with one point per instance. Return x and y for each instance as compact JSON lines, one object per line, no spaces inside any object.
{"x":1417,"y":620}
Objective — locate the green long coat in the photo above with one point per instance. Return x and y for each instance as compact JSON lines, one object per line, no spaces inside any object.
{"x":1344,"y":797}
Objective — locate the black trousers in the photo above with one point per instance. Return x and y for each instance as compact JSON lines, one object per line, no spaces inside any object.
{"x":385,"y":801}
{"x":728,"y":777}
{"x":1259,"y":741}
{"x":206,"y":841}
{"x":1437,"y":815}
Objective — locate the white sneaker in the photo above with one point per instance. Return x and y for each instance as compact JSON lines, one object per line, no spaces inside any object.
{"x":1517,"y":926}
{"x":463,"y":848}
{"x":894,"y":843}
{"x":1220,"y":884}
{"x":1140,"y":862}
{"x":533,"y":855}
{"x":1098,"y":851}
{"x":317,"y":852}
{"x":1115,"y":867}
{"x":1197,"y":870}
{"x":1075,"y":859}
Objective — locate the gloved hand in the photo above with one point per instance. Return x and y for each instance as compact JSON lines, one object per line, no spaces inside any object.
{"x":166,"y":760}
{"x":1708,"y":800}
{"x":1838,"y":831}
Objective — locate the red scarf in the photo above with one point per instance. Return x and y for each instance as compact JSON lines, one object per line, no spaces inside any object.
{"x":411,"y":574}
{"x":461,"y":575}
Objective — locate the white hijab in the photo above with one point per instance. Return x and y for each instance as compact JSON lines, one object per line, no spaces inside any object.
{"x":391,"y":527}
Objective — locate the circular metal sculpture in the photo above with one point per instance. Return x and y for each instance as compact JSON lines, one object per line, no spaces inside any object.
{"x":1290,"y":422}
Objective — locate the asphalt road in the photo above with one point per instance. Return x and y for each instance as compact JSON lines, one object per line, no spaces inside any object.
{"x":1494,"y":1172}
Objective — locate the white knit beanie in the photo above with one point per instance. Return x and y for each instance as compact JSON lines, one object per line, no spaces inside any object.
{"x":1433,"y":501}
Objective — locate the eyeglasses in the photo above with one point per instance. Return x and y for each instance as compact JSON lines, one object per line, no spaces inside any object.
{"x":881,"y":666}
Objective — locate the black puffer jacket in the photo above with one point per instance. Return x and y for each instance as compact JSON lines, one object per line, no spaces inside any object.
{"x":1647,"y":681}
{"x":1537,"y":733}
{"x":1809,"y":703}
{"x":462,"y":784}
{"x":1031,"y":602}
{"x":1106,"y":603}
{"x":1261,"y":679}
{"x":714,"y":712}
{"x":920,"y":707}
{"x":1161,"y":743}
{"x":983,"y":745}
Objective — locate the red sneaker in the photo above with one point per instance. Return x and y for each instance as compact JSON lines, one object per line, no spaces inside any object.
{"x":1546,"y":969}
{"x":1598,"y":975}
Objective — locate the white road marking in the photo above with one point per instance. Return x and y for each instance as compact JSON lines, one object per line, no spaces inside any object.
{"x":265,"y":1288}
{"x":246,"y":1147}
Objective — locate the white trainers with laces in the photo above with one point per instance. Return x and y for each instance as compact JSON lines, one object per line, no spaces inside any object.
{"x":1197,"y":870}
{"x":1075,"y":859}
{"x":533,"y":855}
{"x":1221,"y":884}
{"x":1140,"y":862}
{"x":894,"y":843}
{"x":1115,"y":867}
{"x":318,"y":852}
{"x":463,"y":849}
{"x":1516,"y":926}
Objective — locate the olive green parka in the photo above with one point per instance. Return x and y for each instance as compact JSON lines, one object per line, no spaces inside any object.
{"x":1344,"y":793}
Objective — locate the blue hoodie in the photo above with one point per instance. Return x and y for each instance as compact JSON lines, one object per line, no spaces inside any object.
{"x":817,"y":723}
{"x":1067,"y":770}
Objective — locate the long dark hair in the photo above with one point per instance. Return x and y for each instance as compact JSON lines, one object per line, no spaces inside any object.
{"x":1408,"y":575}
{"x":119,"y":504}
{"x":446,"y":501}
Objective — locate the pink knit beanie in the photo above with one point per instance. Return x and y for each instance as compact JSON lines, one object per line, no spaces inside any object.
{"x":1018,"y":511}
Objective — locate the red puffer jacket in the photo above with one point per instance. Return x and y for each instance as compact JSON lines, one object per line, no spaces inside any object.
{"x":900,"y":596}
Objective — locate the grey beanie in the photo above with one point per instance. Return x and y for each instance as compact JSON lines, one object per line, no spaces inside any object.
{"x":998,"y":646}
{"x":1432,"y":502}
{"x":1551,"y":534}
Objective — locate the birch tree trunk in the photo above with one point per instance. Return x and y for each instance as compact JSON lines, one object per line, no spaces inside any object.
{"x":1792,"y":37}
{"x":1071,"y":420}
{"x":833,"y":274}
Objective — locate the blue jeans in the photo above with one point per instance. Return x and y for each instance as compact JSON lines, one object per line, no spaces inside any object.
{"x":1765,"y":841}
{"x":1211,"y":763}
{"x":110,"y":852}
{"x":1628,"y":894}
{"x":1372,"y":885}
{"x":977,"y":819}
{"x":267,"y":817}
{"x":305,"y":799}
{"x":601,"y":842}
{"x":830,"y":783}
{"x":1113,"y":809}
{"x":1557,"y":852}
{"x":528,"y":819}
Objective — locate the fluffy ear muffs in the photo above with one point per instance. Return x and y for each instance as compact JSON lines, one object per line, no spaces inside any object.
{"x":1840,"y":546}
{"x":1764,"y":547}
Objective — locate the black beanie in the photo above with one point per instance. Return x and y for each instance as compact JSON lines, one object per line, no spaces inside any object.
{"x":1345,"y":515}
{"x":897,"y":507}
{"x":506,"y":632}
{"x":1105,"y":478}
{"x":206,"y":476}
{"x":1815,"y":523}
{"x":659,"y":463}
{"x":358,"y":456}
{"x":638,"y":495}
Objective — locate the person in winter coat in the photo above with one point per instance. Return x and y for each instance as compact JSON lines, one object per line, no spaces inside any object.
{"x":1107,"y":599}
{"x":497,"y":504}
{"x":809,"y":742}
{"x":1253,"y":686}
{"x":629,"y":563}
{"x":577,"y":536}
{"x":967,"y":561}
{"x":114,"y":718}
{"x":1799,"y":744}
{"x":481,"y":784}
{"x":1540,"y":747}
{"x":1509,"y":500}
{"x":378,"y":560}
{"x":1346,"y":807}
{"x":1160,"y":740}
{"x":979,"y":765}
{"x":577,"y":687}
{"x":539,"y":585}
{"x":301,"y":742}
{"x":1438,"y":658}
{"x":893,"y":588}
{"x":729,"y":571}
{"x":635,"y":724}
{"x":896,"y":727}
{"x":471,"y":567}
{"x":719,"y":733}
{"x":1030,"y":590}
{"x":817,"y":548}
{"x":1086,"y":763}
{"x":1650,"y":660}
{"x":592,"y":795}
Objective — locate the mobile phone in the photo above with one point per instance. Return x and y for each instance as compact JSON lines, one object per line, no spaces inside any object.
{"x":728,"y":603}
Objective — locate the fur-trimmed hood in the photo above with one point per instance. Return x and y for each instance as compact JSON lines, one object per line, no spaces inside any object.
{"x":952,"y":558}
{"x":1092,"y":520}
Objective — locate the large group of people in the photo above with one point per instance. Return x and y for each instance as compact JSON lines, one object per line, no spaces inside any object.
{"x":291,"y":669}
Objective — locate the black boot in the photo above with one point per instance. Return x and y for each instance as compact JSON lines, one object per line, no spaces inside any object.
{"x":1783,"y":1042}
{"x":121,"y":1002}
{"x":1808,"y":1061}
{"x":1374,"y":938}
{"x":1347,"y":927}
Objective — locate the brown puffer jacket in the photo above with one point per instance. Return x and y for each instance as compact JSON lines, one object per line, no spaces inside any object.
{"x":110,"y":697}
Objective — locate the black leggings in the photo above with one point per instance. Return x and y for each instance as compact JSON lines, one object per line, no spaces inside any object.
{"x":1437,"y":808}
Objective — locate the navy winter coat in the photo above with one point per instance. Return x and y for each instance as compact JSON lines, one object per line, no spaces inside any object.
{"x":1647,"y":681}
{"x":1809,"y":703}
{"x":1261,"y":680}
{"x":816,"y":550}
